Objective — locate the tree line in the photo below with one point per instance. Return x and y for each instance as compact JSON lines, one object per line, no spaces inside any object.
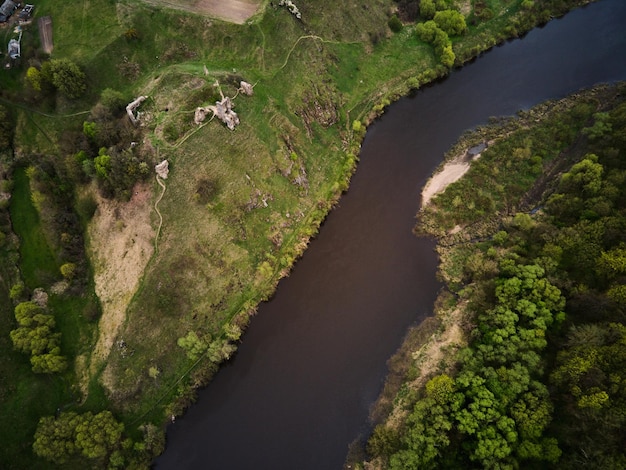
{"x":541,"y":383}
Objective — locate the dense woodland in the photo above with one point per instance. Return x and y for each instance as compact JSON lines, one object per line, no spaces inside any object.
{"x":542,"y":284}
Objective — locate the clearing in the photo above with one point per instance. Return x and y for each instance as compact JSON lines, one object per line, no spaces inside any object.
{"x":121,"y":237}
{"x":235,"y":11}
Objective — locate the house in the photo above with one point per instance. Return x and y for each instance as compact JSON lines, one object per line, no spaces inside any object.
{"x":6,"y":10}
{"x":14,"y":48}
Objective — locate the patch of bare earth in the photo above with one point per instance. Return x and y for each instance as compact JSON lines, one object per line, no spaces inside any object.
{"x":465,"y":7}
{"x":235,"y":11}
{"x":121,"y":244}
{"x":452,"y":171}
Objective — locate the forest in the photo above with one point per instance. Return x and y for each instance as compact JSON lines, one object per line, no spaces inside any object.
{"x":537,"y":276}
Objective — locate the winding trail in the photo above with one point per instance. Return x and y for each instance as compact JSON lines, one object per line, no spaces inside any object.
{"x":156,"y":208}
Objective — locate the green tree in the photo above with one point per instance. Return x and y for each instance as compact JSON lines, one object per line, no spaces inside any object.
{"x":113,"y":100}
{"x":102,"y":163}
{"x":65,"y":76}
{"x":601,"y":126}
{"x":426,"y":437}
{"x":55,"y":437}
{"x":395,"y":24}
{"x":98,"y":435}
{"x":49,"y":363}
{"x":451,"y":21}
{"x":68,"y":270}
{"x":440,"y":388}
{"x":447,"y":57}
{"x":193,"y":345}
{"x":25,"y":313}
{"x":427,"y":9}
{"x":33,"y":78}
{"x":90,"y":129}
{"x":426,"y":31}
{"x":584,"y":177}
{"x":612,"y":263}
{"x":17,"y":290}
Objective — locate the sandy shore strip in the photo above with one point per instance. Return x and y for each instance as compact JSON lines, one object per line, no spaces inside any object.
{"x":452,"y":171}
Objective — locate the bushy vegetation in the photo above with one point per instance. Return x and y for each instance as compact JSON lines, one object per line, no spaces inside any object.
{"x":541,"y":381}
{"x":35,"y":335}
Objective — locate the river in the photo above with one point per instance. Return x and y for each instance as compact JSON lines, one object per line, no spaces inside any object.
{"x":314,"y":358}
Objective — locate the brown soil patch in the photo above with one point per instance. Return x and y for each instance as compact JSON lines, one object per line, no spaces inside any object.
{"x":45,"y":33}
{"x":235,"y":11}
{"x":121,"y":244}
{"x":465,"y":7}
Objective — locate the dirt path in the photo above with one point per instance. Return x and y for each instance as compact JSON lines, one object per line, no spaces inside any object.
{"x":45,"y":33}
{"x":156,"y":208}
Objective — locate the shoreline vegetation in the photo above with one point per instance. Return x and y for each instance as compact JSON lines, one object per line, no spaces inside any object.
{"x":240,"y":207}
{"x":545,"y":396}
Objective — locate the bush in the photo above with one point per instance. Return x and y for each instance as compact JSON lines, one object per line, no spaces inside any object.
{"x":113,"y":100}
{"x":395,"y":24}
{"x":65,"y":76}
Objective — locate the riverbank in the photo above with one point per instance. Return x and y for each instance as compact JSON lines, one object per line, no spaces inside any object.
{"x":473,"y":258}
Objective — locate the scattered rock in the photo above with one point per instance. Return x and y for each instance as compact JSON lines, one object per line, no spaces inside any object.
{"x":40,"y":297}
{"x":162,"y":169}
{"x":246,"y":88}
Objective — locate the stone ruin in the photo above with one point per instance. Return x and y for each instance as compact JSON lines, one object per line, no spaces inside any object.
{"x":130,"y":109}
{"x":162,"y":169}
{"x":246,"y":88}
{"x":293,"y":9}
{"x":223,"y":109}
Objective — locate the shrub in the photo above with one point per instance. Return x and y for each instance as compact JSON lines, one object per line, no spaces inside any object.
{"x":395,"y":24}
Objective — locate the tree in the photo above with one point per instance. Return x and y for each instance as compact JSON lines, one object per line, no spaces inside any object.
{"x":601,"y":126}
{"x":36,"y":336}
{"x":25,"y":313}
{"x":65,"y":76}
{"x":426,"y":31}
{"x":193,"y":345}
{"x":102,"y":163}
{"x":113,"y":100}
{"x":33,"y":78}
{"x":584,"y":177}
{"x":440,"y":388}
{"x":427,"y":9}
{"x":447,"y":57}
{"x":395,"y":24}
{"x":54,"y":437}
{"x":97,"y":435}
{"x":451,"y":21}
{"x":49,"y":363}
{"x":69,"y":434}
{"x":68,"y":270}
